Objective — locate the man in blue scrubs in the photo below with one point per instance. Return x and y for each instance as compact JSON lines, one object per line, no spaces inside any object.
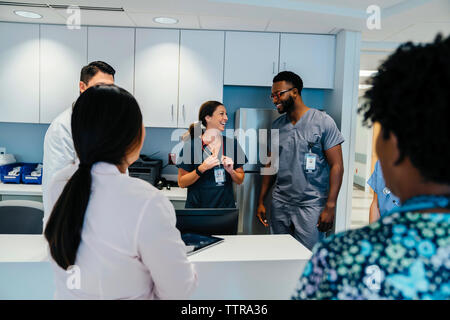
{"x":383,"y":199}
{"x":310,"y":166}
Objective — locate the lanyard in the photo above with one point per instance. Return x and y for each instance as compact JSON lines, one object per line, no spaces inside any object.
{"x":423,"y":202}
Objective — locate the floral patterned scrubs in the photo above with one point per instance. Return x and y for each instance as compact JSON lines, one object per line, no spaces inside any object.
{"x":402,"y":256}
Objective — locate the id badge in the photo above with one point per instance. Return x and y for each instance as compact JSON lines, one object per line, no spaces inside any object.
{"x":310,"y":162}
{"x":219,"y":175}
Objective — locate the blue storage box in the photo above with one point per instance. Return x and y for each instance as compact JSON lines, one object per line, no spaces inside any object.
{"x":6,"y":169}
{"x":27,"y":177}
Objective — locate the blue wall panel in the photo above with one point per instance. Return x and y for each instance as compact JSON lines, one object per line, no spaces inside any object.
{"x":26,"y":140}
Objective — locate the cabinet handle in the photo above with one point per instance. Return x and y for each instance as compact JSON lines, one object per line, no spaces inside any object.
{"x":172,"y":112}
{"x":273,"y":68}
{"x":284,"y":66}
{"x":184,"y":115}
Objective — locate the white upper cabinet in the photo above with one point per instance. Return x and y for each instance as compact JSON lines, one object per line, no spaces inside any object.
{"x":171,"y":72}
{"x":312,"y":57}
{"x":251,"y":58}
{"x":156,"y":76}
{"x":201,"y":72}
{"x":114,"y":46}
{"x":19,"y":73}
{"x":63,"y":54}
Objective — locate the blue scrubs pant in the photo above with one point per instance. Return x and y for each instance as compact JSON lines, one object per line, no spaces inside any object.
{"x":300,"y":222}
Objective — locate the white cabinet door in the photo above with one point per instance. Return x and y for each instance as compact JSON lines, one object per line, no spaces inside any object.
{"x":201,"y":72}
{"x":156,"y":76}
{"x":114,"y":46}
{"x":19,"y":72}
{"x":251,"y":58}
{"x":310,"y":56}
{"x":63,"y":54}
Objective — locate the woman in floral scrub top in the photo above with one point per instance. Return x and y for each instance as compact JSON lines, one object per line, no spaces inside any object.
{"x":405,"y":254}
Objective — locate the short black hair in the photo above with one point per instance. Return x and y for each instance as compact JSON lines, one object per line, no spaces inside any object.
{"x":87,"y":72}
{"x":411,"y":98}
{"x":290,"y":77}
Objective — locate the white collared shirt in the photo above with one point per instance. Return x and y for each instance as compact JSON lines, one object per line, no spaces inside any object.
{"x":130,"y":247}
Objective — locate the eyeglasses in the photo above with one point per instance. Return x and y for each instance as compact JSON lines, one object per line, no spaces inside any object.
{"x":279,"y":93}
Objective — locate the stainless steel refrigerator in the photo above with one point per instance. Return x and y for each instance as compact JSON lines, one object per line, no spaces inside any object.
{"x":247,"y":193}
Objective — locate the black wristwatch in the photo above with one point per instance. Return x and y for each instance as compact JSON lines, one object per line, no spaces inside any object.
{"x":198,"y":172}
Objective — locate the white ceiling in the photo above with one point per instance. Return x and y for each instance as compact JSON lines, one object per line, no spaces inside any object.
{"x":401,"y":20}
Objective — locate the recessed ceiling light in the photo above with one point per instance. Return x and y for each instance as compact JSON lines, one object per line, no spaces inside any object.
{"x":28,"y":14}
{"x":165,"y":20}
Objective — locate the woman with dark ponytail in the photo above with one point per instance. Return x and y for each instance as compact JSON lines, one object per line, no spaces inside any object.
{"x":119,"y":232}
{"x":209,"y":162}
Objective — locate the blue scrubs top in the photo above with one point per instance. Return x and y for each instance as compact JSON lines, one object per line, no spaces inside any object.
{"x":294,"y":186}
{"x":386,"y":200}
{"x":205,"y":193}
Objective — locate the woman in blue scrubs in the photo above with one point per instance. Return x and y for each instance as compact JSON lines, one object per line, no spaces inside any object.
{"x":383,"y":199}
{"x":209,"y":163}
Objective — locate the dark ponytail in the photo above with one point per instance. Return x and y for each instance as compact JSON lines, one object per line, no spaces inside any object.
{"x":106,"y":125}
{"x":206,"y":109}
{"x":63,"y":230}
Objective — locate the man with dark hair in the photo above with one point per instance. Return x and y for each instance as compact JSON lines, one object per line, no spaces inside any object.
{"x":406,"y":253}
{"x":310,"y":166}
{"x":91,"y":70}
{"x":58,"y":144}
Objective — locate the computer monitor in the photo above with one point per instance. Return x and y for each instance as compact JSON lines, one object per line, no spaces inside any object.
{"x":208,"y":221}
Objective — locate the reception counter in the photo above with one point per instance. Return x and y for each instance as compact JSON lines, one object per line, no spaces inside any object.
{"x":242,"y":267}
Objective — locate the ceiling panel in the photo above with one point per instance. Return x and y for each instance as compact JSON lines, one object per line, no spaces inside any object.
{"x":146,"y":20}
{"x":403,"y":19}
{"x":180,"y":7}
{"x":312,"y":23}
{"x":48,"y":15}
{"x":300,"y":27}
{"x":92,"y":3}
{"x":393,"y":26}
{"x":101,"y":18}
{"x":421,"y":32}
{"x":355,"y":4}
{"x":233,"y":23}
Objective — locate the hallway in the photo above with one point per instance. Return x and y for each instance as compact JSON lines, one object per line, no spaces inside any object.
{"x":360,"y":208}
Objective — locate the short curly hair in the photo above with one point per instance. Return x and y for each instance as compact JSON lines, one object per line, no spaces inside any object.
{"x":410,"y":97}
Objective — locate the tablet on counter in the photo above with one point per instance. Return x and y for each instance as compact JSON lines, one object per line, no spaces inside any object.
{"x":196,"y":242}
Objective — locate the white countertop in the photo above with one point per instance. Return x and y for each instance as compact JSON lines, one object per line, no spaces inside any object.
{"x":20,"y":189}
{"x":174,"y":193}
{"x":253,"y":248}
{"x":23,"y":248}
{"x":255,"y":267}
{"x":33,"y":248}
